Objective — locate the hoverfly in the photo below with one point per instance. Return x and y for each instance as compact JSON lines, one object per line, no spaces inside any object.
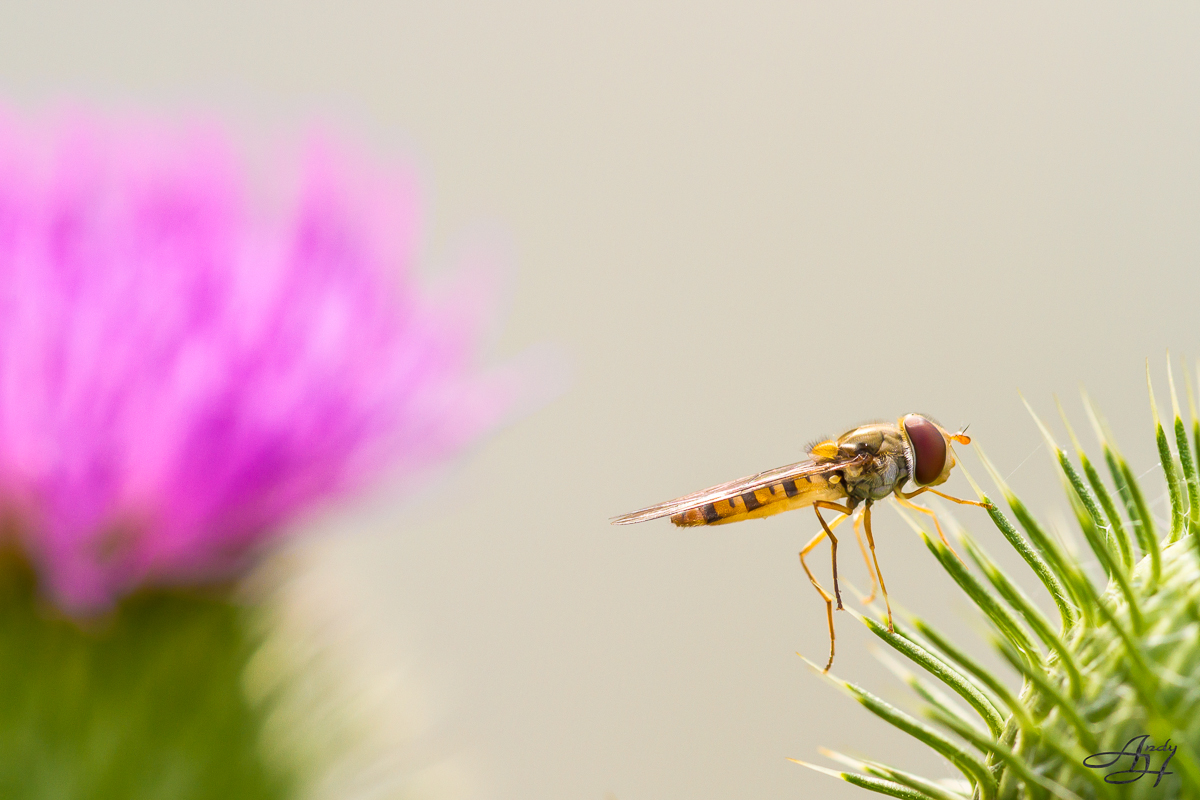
{"x":860,"y":467}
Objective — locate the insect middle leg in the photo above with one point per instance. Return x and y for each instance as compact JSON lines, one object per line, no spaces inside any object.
{"x":826,"y":530}
{"x":882,"y":585}
{"x":862,"y":548}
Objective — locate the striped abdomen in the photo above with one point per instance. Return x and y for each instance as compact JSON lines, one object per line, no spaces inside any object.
{"x":773,"y":499}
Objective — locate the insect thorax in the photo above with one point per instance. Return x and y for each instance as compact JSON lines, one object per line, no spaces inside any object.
{"x":884,"y":470}
{"x":877,"y":478}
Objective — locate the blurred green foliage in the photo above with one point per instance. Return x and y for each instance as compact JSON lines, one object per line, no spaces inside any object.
{"x":144,"y":703}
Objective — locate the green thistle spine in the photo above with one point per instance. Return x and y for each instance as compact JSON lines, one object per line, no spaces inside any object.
{"x":1123,"y":662}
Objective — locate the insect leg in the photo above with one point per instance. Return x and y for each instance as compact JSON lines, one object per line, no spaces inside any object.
{"x":858,"y":520}
{"x":817,"y":506}
{"x":904,"y":501}
{"x":813,"y":542}
{"x":958,"y":500}
{"x":882,"y":585}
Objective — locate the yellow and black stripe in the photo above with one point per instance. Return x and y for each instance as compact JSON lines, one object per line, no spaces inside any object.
{"x":763,"y":502}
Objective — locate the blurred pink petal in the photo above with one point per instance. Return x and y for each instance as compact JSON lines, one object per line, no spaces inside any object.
{"x":183,"y":369}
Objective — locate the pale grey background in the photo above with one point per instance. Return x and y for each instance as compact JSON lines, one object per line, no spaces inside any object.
{"x":750,"y":225}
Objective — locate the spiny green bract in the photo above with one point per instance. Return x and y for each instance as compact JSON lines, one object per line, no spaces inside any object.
{"x":1116,"y":673}
{"x":144,"y":704}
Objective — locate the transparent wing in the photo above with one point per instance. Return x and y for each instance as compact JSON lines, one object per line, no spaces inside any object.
{"x":726,"y":490}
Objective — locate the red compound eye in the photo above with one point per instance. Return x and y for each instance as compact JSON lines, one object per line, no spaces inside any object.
{"x":929,"y":449}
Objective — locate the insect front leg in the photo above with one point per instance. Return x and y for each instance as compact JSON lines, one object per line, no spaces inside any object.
{"x":944,"y":496}
{"x":903,"y":500}
{"x":826,"y":530}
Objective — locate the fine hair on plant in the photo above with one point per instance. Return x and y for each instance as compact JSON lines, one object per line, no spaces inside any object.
{"x":1106,"y":703}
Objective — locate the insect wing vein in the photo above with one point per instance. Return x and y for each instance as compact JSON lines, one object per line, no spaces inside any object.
{"x":725,"y":491}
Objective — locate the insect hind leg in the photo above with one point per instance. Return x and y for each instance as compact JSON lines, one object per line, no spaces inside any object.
{"x":826,"y":530}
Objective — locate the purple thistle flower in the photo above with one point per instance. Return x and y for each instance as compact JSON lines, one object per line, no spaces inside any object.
{"x":183,"y":370}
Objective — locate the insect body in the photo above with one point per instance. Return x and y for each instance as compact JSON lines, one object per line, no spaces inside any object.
{"x":845,"y":475}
